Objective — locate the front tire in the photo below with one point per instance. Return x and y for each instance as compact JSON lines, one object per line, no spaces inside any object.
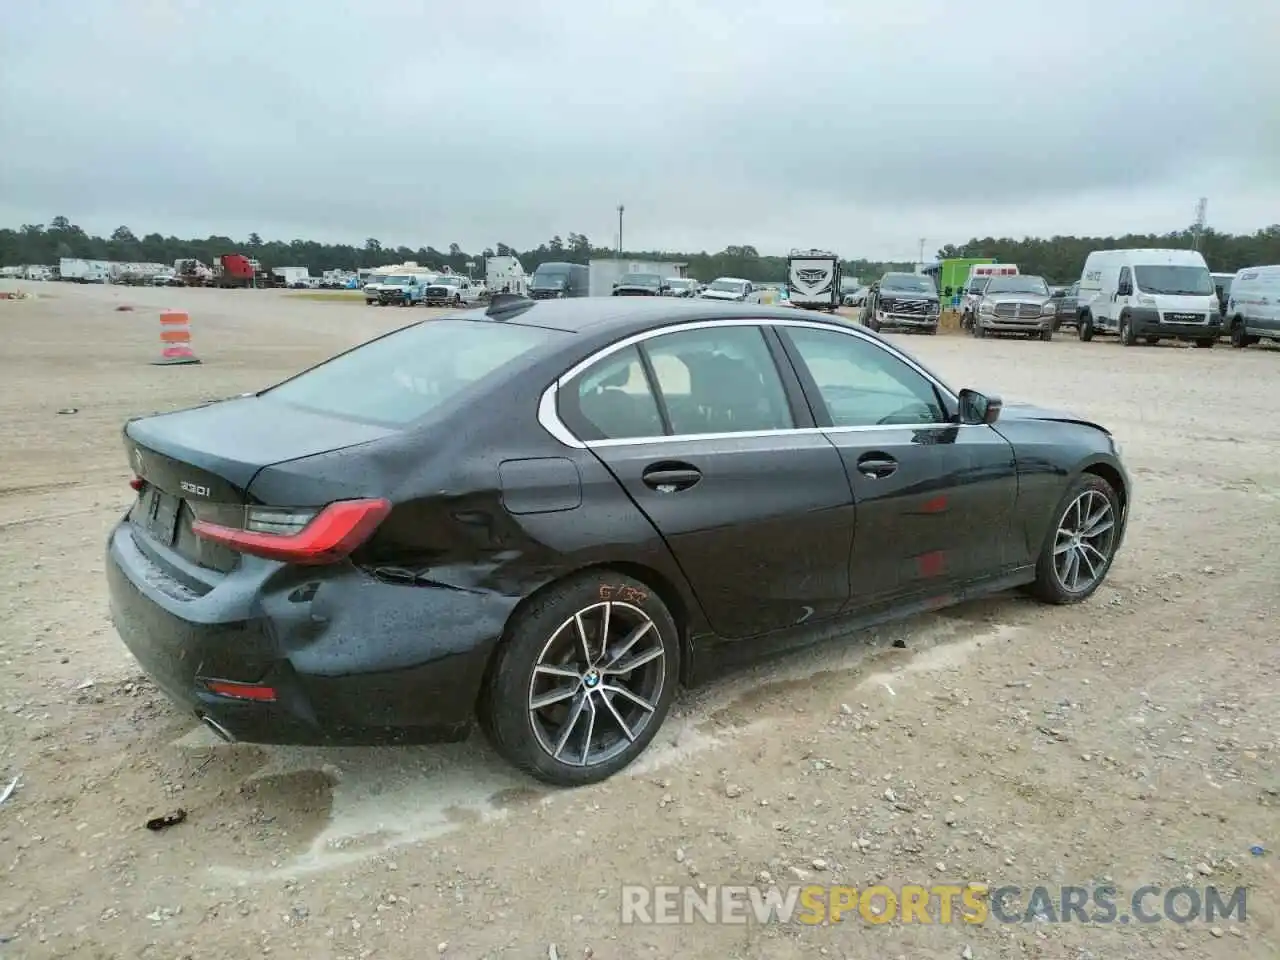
{"x":1126,"y":332}
{"x":583,"y":679}
{"x":1080,"y":548}
{"x":1084,"y":328}
{"x":1239,"y":339}
{"x":1046,"y":335}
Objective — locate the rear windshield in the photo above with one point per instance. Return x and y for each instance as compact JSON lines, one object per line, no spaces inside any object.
{"x":398,"y":378}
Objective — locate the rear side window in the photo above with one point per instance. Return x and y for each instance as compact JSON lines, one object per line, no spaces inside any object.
{"x":403,"y":376}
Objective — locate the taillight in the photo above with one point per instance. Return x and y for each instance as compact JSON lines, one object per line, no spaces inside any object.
{"x":137,"y":483}
{"x":300,"y":536}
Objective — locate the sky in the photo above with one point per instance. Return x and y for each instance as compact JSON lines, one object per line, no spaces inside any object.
{"x":858,"y":127}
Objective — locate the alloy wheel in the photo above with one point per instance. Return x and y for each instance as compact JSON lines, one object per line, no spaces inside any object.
{"x":597,"y":683}
{"x":1084,"y":542}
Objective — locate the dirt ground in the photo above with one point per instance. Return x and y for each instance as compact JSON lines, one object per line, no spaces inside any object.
{"x":1132,"y":739}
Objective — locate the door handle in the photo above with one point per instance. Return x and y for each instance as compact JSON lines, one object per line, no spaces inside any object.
{"x":670,"y":478}
{"x":876,"y":465}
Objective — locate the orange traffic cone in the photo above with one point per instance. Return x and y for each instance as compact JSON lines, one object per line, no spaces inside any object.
{"x":175,"y":339}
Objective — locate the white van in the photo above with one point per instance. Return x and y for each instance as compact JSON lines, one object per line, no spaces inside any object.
{"x":1148,"y":295}
{"x":1253,"y":306}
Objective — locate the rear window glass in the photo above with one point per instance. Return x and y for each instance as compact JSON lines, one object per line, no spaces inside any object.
{"x":403,"y":376}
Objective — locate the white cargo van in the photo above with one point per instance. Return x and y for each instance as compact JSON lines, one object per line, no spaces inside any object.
{"x":1253,"y":306}
{"x":1148,"y":295}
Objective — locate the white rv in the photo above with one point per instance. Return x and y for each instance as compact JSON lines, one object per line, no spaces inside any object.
{"x":1253,"y":306}
{"x":1148,"y":295}
{"x":813,"y":279}
{"x":505,"y":275}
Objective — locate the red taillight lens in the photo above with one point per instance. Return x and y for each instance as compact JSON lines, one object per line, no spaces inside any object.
{"x":327,"y":537}
{"x":137,"y":483}
{"x":241,"y":691}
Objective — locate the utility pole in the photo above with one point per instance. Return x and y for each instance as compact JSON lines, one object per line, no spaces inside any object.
{"x":1202,"y":209}
{"x":620,"y":209}
{"x":921,"y":260}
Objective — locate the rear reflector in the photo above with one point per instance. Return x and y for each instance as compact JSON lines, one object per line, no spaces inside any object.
{"x":327,"y":537}
{"x":241,"y":691}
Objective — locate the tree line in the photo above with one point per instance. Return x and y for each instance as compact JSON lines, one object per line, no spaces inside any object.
{"x":1058,"y":259}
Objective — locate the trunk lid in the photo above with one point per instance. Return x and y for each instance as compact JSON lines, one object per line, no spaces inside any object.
{"x":200,"y":463}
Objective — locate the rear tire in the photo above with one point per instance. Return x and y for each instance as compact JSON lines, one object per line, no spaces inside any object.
{"x":543,"y":658}
{"x":1086,"y":527}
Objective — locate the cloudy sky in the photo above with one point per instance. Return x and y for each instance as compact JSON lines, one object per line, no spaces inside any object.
{"x":858,"y":126}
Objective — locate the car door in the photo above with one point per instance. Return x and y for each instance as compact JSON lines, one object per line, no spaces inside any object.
{"x":712,"y":439}
{"x":935,"y":499}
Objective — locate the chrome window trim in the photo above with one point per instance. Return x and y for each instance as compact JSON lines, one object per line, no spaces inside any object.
{"x":549,"y":417}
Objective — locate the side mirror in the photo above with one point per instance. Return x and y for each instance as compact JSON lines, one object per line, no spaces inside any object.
{"x":979,"y":408}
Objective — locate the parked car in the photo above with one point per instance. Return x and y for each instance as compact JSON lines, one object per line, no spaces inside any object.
{"x":904,"y":301}
{"x":732,"y":289}
{"x":1253,"y":309}
{"x":548,"y":516}
{"x":399,"y":290}
{"x":681,"y":287}
{"x":1065,"y":303}
{"x":1020,"y":304}
{"x":639,"y":285}
{"x":856,"y":297}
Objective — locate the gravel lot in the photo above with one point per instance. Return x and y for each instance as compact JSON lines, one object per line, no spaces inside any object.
{"x":1132,"y":738}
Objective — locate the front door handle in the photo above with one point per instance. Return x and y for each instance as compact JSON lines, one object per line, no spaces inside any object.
{"x":877,"y":465}
{"x":670,"y":477}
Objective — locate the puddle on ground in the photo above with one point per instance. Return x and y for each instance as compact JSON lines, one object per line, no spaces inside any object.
{"x":382,"y":798}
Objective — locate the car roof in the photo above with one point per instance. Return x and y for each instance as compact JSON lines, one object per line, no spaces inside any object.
{"x":627,"y":315}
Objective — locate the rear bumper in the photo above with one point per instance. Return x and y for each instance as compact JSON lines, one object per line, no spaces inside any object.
{"x":1151,"y":323}
{"x":353,"y":660}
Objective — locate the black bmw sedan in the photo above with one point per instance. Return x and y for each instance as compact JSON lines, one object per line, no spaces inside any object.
{"x":547,"y":516}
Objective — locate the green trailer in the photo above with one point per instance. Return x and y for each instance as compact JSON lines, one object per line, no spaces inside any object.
{"x":950,"y":277}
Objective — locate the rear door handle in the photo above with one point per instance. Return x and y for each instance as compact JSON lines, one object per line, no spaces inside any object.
{"x":877,"y":465}
{"x":670,"y":478}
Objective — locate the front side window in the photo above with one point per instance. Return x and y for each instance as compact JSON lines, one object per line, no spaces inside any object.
{"x":719,"y":380}
{"x":863,"y":385}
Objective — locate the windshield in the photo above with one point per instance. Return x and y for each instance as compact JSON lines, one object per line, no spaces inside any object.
{"x":1024,"y":284}
{"x":549,"y":278}
{"x":978,"y":284}
{"x":726,"y":286}
{"x":400,"y":377}
{"x":397,"y":280}
{"x":677,"y":284}
{"x":448,"y":281}
{"x":642,"y":280}
{"x":1183,"y":281}
{"x":906,"y":283}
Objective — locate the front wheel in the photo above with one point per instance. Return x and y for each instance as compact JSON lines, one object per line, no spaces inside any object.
{"x":1084,"y":329}
{"x":1126,"y":332}
{"x":1239,"y":339}
{"x":1078,"y":553}
{"x":457,"y":301}
{"x":1046,"y":335}
{"x":583,"y":679}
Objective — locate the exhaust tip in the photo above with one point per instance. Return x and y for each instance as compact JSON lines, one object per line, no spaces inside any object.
{"x":218,"y":729}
